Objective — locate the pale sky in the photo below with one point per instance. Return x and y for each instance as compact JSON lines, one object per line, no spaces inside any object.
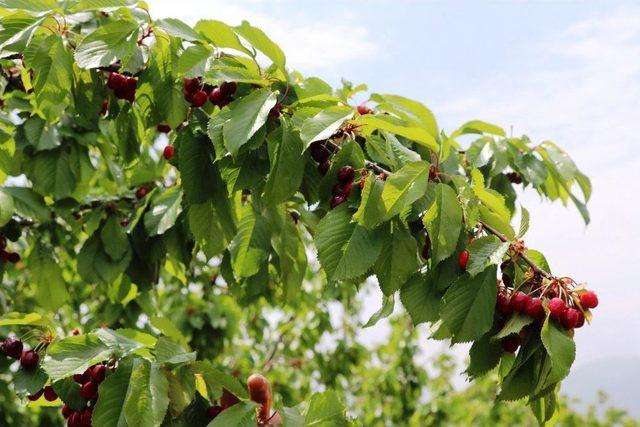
{"x":567,"y":71}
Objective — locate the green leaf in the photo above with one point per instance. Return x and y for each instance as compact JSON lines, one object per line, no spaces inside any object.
{"x":114,"y":239}
{"x":241,"y":414}
{"x":7,"y":208}
{"x":292,"y":257}
{"x":51,"y":173}
{"x":468,"y":306}
{"x":404,"y":187}
{"x":421,"y":298}
{"x":443,"y":221}
{"x":524,"y":223}
{"x":493,"y":200}
{"x":206,"y":228}
{"x":324,"y":124}
{"x":195,"y":60}
{"x":26,"y":382}
{"x":111,"y":42}
{"x":388,"y":304}
{"x":95,"y":265}
{"x":398,"y":260}
{"x":326,"y":408}
{"x":18,"y":29}
{"x":264,"y":44}
{"x":514,"y":325}
{"x":85,"y":5}
{"x":220,"y":34}
{"x":148,"y":395}
{"x":109,"y":411}
{"x":345,"y":249}
{"x":371,"y":211}
{"x":28,"y":204}
{"x":561,"y":349}
{"x":484,"y":355}
{"x":215,"y":377}
{"x":30,"y":5}
{"x":485,"y":251}
{"x":196,"y":166}
{"x":164,"y":211}
{"x":407,"y":109}
{"x":167,"y":351}
{"x":47,"y":276}
{"x":477,"y":126}
{"x":410,"y":131}
{"x":249,"y":248}
{"x":248,"y":115}
{"x":177,"y":28}
{"x":285,"y":156}
{"x":24,"y":319}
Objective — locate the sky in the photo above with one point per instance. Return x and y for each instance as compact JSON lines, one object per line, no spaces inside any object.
{"x":566,"y":71}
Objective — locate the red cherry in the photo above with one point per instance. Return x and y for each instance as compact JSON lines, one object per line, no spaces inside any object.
{"x":589,"y":300}
{"x":570,"y":318}
{"x":128,"y":89}
{"x":50,"y":394}
{"x":75,"y":420}
{"x":503,"y":304}
{"x":168,"y":152}
{"x":89,"y":390}
{"x":361,"y":183}
{"x":13,"y":347}
{"x":163,"y":128}
{"x":363,"y":109}
{"x":580,"y":323}
{"x":275,"y":112}
{"x":463,"y":259}
{"x":227,"y":400}
{"x":142,"y":192}
{"x":85,"y":417}
{"x":426,"y":248}
{"x":217,"y":97}
{"x":98,"y":372}
{"x":67,"y":411}
{"x":519,"y":300}
{"x":336,"y":201}
{"x":228,"y":88}
{"x":199,"y":98}
{"x":115,"y":81}
{"x":214,"y":411}
{"x":188,"y":96}
{"x":556,"y":308}
{"x":346,"y":174}
{"x":105,"y":108}
{"x":29,"y":359}
{"x":35,"y":396}
{"x":323,"y":167}
{"x":534,"y":308}
{"x":319,"y":152}
{"x":506,"y":279}
{"x":511,"y":343}
{"x":81,"y":378}
{"x":191,"y":85}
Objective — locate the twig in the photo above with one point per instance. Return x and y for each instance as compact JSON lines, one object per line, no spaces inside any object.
{"x":266,"y":367}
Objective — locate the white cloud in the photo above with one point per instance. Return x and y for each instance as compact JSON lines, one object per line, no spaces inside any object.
{"x":310,"y":44}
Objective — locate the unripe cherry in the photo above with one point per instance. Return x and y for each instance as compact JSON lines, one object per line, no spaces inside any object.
{"x":463,"y":259}
{"x":519,"y":301}
{"x":589,"y":300}
{"x":556,"y":308}
{"x":29,"y":359}
{"x":168,"y":152}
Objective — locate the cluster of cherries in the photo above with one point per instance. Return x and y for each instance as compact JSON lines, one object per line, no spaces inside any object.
{"x":343,"y":187}
{"x":89,"y":381}
{"x":321,"y":152}
{"x":124,"y":87}
{"x":197,"y":94}
{"x":14,"y":348}
{"x":5,"y":255}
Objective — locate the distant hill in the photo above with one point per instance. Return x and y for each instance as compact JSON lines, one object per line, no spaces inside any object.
{"x":618,"y":378}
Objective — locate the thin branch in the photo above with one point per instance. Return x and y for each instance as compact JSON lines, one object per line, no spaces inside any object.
{"x":266,"y":367}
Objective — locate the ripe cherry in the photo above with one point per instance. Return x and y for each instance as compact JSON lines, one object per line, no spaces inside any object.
{"x":346,"y":174}
{"x":570,"y":318}
{"x":323,"y":167}
{"x":426,"y":248}
{"x":580,"y":323}
{"x":67,"y":411}
{"x":13,"y":347}
{"x":75,"y":420}
{"x":163,"y":128}
{"x":556,"y":308}
{"x":511,"y":343}
{"x":97,"y":373}
{"x":29,"y":359}
{"x":514,"y":178}
{"x":503,"y":304}
{"x":214,"y":411}
{"x":128,"y":89}
{"x":336,"y":201}
{"x":168,"y":152}
{"x":142,"y":192}
{"x":534,"y":308}
{"x":463,"y":259}
{"x":13,"y":257}
{"x":519,"y":300}
{"x":82,"y":378}
{"x":199,"y":98}
{"x":363,"y":109}
{"x":104,"y":109}
{"x":506,"y":279}
{"x":227,"y":399}
{"x":217,"y":97}
{"x":589,"y":300}
{"x":35,"y":396}
{"x":191,"y":85}
{"x":50,"y":394}
{"x":85,"y":417}
{"x":319,"y":152}
{"x":115,"y":81}
{"x":228,"y":88}
{"x":89,"y":390}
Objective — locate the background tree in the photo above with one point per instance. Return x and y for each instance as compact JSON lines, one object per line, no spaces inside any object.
{"x":169,"y":189}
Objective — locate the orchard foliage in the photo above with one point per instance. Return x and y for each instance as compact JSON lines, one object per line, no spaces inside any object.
{"x":157,"y":168}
